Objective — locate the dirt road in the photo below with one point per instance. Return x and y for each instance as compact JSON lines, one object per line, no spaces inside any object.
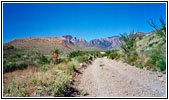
{"x":109,"y":78}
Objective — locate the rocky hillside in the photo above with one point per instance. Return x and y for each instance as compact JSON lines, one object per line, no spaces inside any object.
{"x":74,"y":41}
{"x":41,"y":45}
{"x":106,"y":43}
{"x":103,"y":43}
{"x":149,"y":42}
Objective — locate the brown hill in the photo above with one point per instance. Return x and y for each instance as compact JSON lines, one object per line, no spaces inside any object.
{"x":42,"y":45}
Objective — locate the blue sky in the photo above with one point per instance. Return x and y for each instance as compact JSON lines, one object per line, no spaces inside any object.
{"x":87,"y":20}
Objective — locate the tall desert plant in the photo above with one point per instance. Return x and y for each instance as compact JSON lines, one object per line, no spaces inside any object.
{"x":129,"y":42}
{"x":160,"y":31}
{"x":128,"y":46}
{"x":55,"y":55}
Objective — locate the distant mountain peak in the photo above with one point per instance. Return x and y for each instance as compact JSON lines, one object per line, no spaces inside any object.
{"x":82,"y":40}
{"x":104,"y":43}
{"x":74,"y":41}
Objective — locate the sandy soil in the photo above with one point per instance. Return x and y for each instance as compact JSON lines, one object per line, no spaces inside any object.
{"x":109,"y":78}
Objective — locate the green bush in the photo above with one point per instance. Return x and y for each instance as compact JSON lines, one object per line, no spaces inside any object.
{"x":75,"y":54}
{"x":18,"y":55}
{"x":82,"y":59}
{"x":91,"y":57}
{"x":23,"y":64}
{"x":152,"y":60}
{"x":134,"y":56}
{"x":55,"y":85}
{"x":16,"y":59}
{"x":97,"y":54}
{"x":64,"y":60}
{"x":150,"y":45}
{"x":4,"y":64}
{"x":43,"y":60}
{"x":108,"y":52}
{"x":154,"y":68}
{"x":83,"y":92}
{"x":162,"y":64}
{"x":139,"y":64}
{"x":44,"y":68}
{"x":140,"y":37}
{"x":12,"y":66}
{"x":118,"y":56}
{"x":71,"y":67}
{"x":112,"y":55}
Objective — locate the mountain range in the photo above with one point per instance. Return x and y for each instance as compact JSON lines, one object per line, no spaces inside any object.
{"x":66,"y":44}
{"x":104,"y":43}
{"x":113,"y":42}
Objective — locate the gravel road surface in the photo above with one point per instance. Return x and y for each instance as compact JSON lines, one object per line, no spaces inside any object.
{"x":110,"y":78}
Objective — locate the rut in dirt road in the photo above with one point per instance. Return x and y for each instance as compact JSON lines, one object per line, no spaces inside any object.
{"x":109,"y":78}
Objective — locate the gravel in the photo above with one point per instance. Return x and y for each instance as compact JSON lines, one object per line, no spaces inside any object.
{"x":116,"y":79}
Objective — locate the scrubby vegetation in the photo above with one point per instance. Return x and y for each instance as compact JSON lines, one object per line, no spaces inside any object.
{"x":15,"y":89}
{"x":147,"y":51}
{"x":53,"y":76}
{"x":57,"y":84}
{"x":14,"y":59}
{"x":84,"y":56}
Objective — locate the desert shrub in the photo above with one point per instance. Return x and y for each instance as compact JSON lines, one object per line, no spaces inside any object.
{"x":83,"y":92}
{"x":91,"y":57}
{"x":4,"y":65}
{"x":154,"y":57}
{"x":97,"y":54}
{"x":44,"y":68}
{"x":71,"y":67}
{"x":33,"y":79}
{"x":82,"y":59}
{"x":112,"y":55}
{"x":128,"y":46}
{"x":139,"y":64}
{"x":159,"y":31}
{"x":161,"y":64}
{"x":131,"y":58}
{"x":140,"y":37}
{"x":75,"y":54}
{"x":23,"y":64}
{"x":84,"y":53}
{"x":134,"y":56}
{"x":11,"y":66}
{"x":43,"y":59}
{"x":157,"y":60}
{"x":142,"y":50}
{"x":64,"y":60}
{"x":15,"y":89}
{"x":118,"y":56}
{"x":149,"y":62}
{"x":54,"y":85}
{"x":18,"y":55}
{"x":101,"y":65}
{"x":108,"y":52}
{"x":150,"y":45}
{"x":55,"y":55}
{"x":154,"y":68}
{"x":17,"y":59}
